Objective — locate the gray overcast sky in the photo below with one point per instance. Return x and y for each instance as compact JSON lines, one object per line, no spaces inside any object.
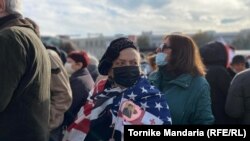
{"x":79,"y":17}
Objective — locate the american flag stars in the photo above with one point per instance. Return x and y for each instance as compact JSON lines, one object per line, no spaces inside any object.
{"x":158,"y":106}
{"x":132,"y":96}
{"x":144,"y":105}
{"x":144,"y":90}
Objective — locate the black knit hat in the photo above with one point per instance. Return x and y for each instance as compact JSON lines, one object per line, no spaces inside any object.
{"x":214,"y":53}
{"x":112,"y":53}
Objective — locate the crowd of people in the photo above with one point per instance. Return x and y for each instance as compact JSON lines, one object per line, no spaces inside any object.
{"x":55,"y":93}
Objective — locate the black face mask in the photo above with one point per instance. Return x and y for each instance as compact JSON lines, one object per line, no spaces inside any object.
{"x":126,"y":76}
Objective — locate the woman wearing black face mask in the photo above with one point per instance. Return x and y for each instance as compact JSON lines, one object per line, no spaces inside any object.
{"x":126,"y":92}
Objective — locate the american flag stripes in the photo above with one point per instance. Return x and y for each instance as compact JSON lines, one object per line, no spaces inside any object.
{"x":149,"y":107}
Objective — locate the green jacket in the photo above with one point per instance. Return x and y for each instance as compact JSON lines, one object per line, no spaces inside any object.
{"x":188,"y":97}
{"x":24,"y":82}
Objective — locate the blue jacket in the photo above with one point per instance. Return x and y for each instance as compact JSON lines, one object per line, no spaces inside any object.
{"x":188,"y":97}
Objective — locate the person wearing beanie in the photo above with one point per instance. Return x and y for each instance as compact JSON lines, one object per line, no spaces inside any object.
{"x":125,"y":91}
{"x":81,"y":83}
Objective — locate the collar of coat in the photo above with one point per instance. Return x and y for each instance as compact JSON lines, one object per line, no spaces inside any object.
{"x":183,"y":80}
{"x":15,"y":20}
{"x":6,"y":20}
{"x":80,"y":72}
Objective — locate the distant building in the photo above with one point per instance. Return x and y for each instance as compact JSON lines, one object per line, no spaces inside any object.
{"x":51,"y":40}
{"x":96,"y":44}
{"x":228,"y":37}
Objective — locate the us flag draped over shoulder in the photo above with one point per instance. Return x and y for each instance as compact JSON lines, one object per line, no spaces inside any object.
{"x":149,"y":107}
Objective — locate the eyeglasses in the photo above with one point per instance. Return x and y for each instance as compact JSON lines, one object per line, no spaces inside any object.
{"x":164,"y":46}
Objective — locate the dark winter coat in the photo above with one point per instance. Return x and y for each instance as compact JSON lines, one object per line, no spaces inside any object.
{"x":238,"y":100}
{"x":81,"y":83}
{"x":215,"y":57}
{"x":24,"y":82}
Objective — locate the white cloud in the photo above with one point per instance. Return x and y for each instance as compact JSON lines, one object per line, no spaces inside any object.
{"x":131,"y":17}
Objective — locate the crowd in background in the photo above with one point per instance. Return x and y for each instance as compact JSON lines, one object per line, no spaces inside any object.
{"x":56,"y":93}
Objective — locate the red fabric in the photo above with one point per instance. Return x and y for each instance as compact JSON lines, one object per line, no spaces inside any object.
{"x":86,"y":109}
{"x":80,"y":56}
{"x":99,"y":87}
